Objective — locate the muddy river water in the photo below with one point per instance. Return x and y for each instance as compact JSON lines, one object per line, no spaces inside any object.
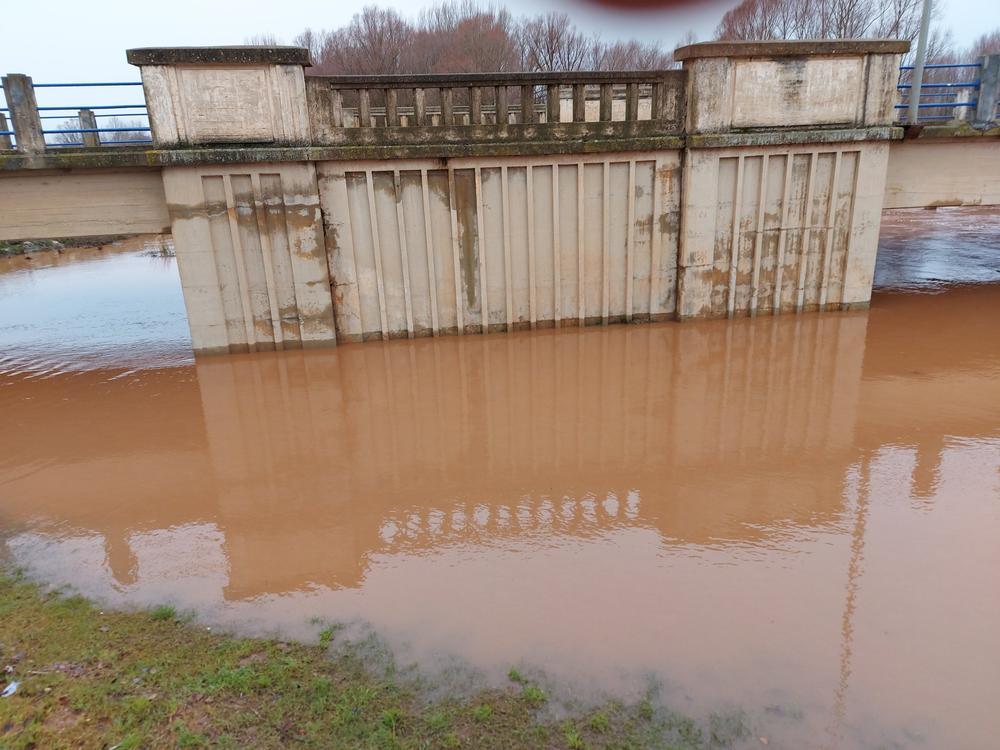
{"x":795,"y":517}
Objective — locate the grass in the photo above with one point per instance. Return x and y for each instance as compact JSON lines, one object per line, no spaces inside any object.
{"x":153,"y":680}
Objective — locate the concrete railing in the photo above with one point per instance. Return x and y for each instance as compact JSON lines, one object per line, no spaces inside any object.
{"x":487,"y":107}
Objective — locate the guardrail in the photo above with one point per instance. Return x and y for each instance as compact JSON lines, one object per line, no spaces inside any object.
{"x":971,"y":96}
{"x":22,"y":126}
{"x":410,"y":109}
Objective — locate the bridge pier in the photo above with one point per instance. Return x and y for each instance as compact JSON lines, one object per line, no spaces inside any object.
{"x":251,"y":256}
{"x":784,"y":175}
{"x":754,"y":187}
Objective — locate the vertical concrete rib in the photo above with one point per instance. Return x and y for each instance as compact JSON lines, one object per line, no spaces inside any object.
{"x":530,"y":193}
{"x":800,"y":289}
{"x":508,"y":292}
{"x":782,"y":233}
{"x":629,"y":240}
{"x":481,"y":242}
{"x":656,"y":244}
{"x":556,"y":249}
{"x":241,"y":271}
{"x":453,"y":211}
{"x":734,"y":249}
{"x":377,"y":252}
{"x":260,"y":215}
{"x":580,"y":297}
{"x":758,"y":241}
{"x":605,"y":241}
{"x":850,"y":222}
{"x":429,"y":246}
{"x":403,"y":254}
{"x":831,"y":215}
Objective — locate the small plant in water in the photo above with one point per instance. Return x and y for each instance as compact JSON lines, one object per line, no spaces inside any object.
{"x":515,"y":676}
{"x":482,"y":713}
{"x":325,"y":636}
{"x":573,"y":739}
{"x":163,"y":613}
{"x":534,"y":695}
{"x":599,"y":723}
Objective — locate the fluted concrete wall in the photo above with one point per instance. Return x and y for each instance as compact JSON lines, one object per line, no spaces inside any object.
{"x":500,"y":243}
{"x":251,"y":257}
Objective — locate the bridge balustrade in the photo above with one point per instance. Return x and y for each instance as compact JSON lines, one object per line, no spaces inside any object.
{"x":414,"y":109}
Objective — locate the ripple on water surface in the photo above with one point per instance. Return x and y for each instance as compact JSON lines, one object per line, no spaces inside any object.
{"x":119,"y":306}
{"x":794,"y":516}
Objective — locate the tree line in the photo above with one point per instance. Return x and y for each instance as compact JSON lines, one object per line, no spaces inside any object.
{"x":465,"y":36}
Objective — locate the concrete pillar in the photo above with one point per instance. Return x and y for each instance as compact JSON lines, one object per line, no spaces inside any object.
{"x":205,"y":95}
{"x":783,"y":174}
{"x":4,"y":139}
{"x":249,"y":238}
{"x":251,"y":256}
{"x":989,"y":89}
{"x":89,"y":122}
{"x":20,"y":94}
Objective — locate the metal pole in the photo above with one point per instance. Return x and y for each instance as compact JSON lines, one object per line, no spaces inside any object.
{"x":918,"y":64}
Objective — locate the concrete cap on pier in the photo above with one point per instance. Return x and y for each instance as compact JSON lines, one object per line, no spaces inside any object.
{"x":789,"y":48}
{"x":235,"y":55}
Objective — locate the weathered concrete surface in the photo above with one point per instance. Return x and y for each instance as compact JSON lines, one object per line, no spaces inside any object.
{"x":927,"y":172}
{"x":420,"y":247}
{"x":25,"y":119}
{"x":738,"y":85}
{"x":779,"y":229}
{"x":251,"y":256}
{"x":225,"y":95}
{"x":234,"y":55}
{"x":770,"y":223}
{"x":81,"y":203}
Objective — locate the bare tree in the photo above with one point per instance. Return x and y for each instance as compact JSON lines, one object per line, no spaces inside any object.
{"x":821,"y":19}
{"x":552,"y":42}
{"x":457,"y":36}
{"x":373,"y":42}
{"x":462,"y":36}
{"x":987,"y":44}
{"x":262,"y":40}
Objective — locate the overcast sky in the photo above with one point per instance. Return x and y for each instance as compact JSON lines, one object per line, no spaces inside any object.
{"x":59,"y":40}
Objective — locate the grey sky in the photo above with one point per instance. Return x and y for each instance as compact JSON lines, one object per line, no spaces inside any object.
{"x":60,"y":40}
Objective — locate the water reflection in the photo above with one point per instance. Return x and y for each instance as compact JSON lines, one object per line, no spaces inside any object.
{"x":781,"y":514}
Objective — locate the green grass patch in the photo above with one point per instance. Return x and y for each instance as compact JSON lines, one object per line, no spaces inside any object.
{"x":163,"y":613}
{"x":151,"y":680}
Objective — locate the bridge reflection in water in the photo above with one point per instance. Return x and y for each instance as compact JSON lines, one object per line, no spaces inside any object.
{"x":760,"y":513}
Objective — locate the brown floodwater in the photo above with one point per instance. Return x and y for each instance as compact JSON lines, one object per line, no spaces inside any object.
{"x":794,"y":517}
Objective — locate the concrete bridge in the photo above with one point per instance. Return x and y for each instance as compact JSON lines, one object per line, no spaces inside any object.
{"x":307,"y":210}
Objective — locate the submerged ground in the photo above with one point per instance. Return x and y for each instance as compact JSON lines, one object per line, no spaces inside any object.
{"x":703,"y":535}
{"x":93,"y":679}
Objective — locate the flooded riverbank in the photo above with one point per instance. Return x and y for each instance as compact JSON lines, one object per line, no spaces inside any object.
{"x":792,"y":517}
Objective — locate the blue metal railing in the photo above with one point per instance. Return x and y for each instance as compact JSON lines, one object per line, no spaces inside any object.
{"x":71,"y":112}
{"x":942,"y":95}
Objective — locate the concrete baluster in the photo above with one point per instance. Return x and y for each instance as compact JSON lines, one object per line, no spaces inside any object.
{"x":89,"y":122}
{"x":989,"y":89}
{"x":4,"y":139}
{"x":20,"y":94}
